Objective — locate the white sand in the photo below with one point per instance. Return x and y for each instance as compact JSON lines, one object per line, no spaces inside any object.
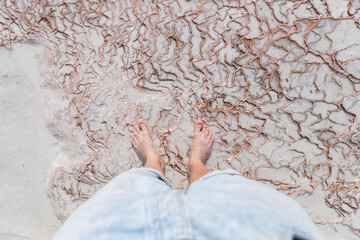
{"x":26,"y":148}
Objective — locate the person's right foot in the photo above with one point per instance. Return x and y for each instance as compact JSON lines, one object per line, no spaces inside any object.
{"x":144,"y":147}
{"x":202,"y":144}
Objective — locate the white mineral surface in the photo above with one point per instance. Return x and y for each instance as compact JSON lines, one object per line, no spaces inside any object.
{"x":27,"y":148}
{"x":277,"y":82}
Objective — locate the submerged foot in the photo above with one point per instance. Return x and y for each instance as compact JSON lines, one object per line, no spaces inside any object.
{"x":144,"y":147}
{"x":201,"y":147}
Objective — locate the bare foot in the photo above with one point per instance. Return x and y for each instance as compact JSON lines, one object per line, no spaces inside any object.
{"x":144,"y":147}
{"x":202,"y":143}
{"x":200,"y":151}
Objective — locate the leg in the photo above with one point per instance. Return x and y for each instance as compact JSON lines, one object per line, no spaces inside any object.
{"x":126,"y":206}
{"x":200,"y":151}
{"x":144,"y":147}
{"x":245,"y":208}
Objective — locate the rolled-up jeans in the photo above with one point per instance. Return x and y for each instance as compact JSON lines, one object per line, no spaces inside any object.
{"x":142,"y":204}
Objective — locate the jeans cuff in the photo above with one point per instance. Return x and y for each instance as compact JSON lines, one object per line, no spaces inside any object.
{"x":214,"y":173}
{"x":158,"y":174}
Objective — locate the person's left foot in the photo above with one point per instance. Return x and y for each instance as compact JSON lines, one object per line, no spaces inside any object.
{"x":144,"y":146}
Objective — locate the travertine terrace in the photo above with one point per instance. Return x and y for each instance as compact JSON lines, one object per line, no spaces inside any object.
{"x":277,"y":81}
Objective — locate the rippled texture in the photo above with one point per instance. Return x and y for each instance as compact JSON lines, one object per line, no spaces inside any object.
{"x":276,"y":81}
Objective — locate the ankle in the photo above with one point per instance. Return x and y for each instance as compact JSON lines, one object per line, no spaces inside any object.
{"x":196,"y":165}
{"x":195,"y":157}
{"x":156,"y":163}
{"x":152,"y":157}
{"x":197,"y":173}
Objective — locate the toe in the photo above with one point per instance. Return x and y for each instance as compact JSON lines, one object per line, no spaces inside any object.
{"x":133,"y":141}
{"x":198,"y":126}
{"x":205,"y":129}
{"x":143,"y":126}
{"x":137,"y":128}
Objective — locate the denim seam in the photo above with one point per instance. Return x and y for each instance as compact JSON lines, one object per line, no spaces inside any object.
{"x":160,"y":176}
{"x":220,"y":172}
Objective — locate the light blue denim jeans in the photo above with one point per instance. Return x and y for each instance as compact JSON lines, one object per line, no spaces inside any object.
{"x":142,"y":204}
